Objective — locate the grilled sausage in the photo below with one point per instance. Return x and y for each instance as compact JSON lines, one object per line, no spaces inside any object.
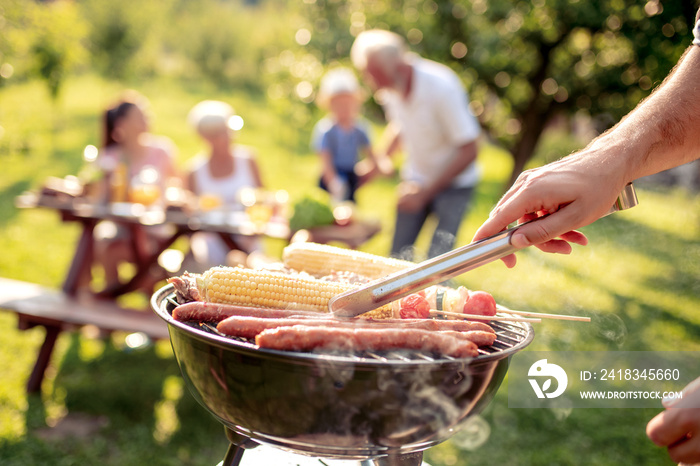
{"x":477,"y":336}
{"x":307,"y":338}
{"x":249,"y":327}
{"x":210,"y":312}
{"x":433,"y":324}
{"x":201,"y":311}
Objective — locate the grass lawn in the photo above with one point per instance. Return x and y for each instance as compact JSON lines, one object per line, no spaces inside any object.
{"x":639,"y":280}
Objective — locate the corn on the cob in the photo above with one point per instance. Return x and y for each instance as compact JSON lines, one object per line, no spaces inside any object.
{"x":387,"y":311}
{"x":321,"y":259}
{"x":262,"y":288}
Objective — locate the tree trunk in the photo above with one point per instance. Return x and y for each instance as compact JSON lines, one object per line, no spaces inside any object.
{"x":536,"y":115}
{"x":534,"y":121}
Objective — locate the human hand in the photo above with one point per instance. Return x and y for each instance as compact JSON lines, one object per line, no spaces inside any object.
{"x":412,"y":197}
{"x":338,"y":188}
{"x":384,"y":165}
{"x":678,"y":427}
{"x":570,"y":193}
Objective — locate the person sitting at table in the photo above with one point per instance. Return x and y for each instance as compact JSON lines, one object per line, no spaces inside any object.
{"x":131,"y":158}
{"x":218,"y":177}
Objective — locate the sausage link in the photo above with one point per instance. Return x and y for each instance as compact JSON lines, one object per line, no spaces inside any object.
{"x":308,"y":338}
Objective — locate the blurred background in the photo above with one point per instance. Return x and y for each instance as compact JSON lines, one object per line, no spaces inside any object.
{"x":544,"y":78}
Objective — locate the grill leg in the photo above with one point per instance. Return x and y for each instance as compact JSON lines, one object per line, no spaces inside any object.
{"x":233,"y":455}
{"x":409,"y":459}
{"x":239,"y":444}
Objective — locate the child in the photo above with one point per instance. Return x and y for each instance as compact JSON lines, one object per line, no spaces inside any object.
{"x":340,"y":138}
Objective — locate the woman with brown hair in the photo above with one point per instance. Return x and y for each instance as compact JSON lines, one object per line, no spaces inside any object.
{"x":137,"y":166}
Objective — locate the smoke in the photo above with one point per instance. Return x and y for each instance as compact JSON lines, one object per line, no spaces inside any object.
{"x":562,"y":409}
{"x":611,"y":327}
{"x":474,"y":432}
{"x":411,"y":254}
{"x":562,"y":413}
{"x":428,"y":402}
{"x":392,"y":405}
{"x":443,"y":242}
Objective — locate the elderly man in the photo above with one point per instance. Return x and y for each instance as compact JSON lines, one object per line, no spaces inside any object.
{"x":428,"y":113}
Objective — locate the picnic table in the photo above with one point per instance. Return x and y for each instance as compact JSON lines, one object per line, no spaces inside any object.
{"x":136,"y":218}
{"x":73,"y":307}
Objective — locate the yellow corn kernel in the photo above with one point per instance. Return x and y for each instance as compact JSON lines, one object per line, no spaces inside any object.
{"x":321,"y":259}
{"x":263,"y":288}
{"x":384,"y":312}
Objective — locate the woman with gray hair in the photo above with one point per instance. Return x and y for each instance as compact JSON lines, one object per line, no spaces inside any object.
{"x":428,"y":113}
{"x":217,"y":177}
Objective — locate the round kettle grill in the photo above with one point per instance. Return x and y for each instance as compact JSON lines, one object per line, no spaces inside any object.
{"x":379,"y":408}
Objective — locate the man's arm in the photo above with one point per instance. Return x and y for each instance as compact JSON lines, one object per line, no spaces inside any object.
{"x":464,"y":156}
{"x":392,"y":139}
{"x":413,"y":197}
{"x":661,"y":132}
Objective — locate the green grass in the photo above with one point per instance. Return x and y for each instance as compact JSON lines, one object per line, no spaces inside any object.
{"x":640,"y":277}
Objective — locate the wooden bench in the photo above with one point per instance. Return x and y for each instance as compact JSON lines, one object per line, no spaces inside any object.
{"x":36,"y":305}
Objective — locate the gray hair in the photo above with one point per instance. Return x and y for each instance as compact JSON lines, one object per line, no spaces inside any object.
{"x":210,"y":116}
{"x":386,"y":46}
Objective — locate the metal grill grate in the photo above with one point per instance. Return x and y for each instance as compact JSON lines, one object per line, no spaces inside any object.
{"x":509,"y":337}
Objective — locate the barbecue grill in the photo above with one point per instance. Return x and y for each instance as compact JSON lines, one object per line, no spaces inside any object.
{"x":383,"y":407}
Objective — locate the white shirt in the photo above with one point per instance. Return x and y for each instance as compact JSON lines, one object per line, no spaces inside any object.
{"x":226,"y":188}
{"x":434,"y":120}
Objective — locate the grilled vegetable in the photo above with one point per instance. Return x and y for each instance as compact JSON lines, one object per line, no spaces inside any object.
{"x":321,"y":259}
{"x":263,"y":288}
{"x":384,"y":312}
{"x":275,"y":290}
{"x":414,"y":306}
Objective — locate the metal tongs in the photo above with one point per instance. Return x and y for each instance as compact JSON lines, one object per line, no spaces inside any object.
{"x":441,"y":268}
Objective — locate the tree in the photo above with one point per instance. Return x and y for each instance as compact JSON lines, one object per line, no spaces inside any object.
{"x":56,"y":43}
{"x":526,"y":62}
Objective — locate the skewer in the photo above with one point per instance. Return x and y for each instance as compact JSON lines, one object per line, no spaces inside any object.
{"x":542,"y":315}
{"x":551,"y":316}
{"x":480,"y":317}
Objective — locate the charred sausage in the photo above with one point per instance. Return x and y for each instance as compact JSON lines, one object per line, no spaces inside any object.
{"x":249,"y":327}
{"x":308,"y":338}
{"x":210,"y":312}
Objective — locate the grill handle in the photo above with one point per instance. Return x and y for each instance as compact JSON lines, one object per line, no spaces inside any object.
{"x":441,"y":268}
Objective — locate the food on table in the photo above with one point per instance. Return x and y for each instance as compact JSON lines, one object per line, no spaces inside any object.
{"x":207,"y":202}
{"x":309,"y":213}
{"x":144,"y":194}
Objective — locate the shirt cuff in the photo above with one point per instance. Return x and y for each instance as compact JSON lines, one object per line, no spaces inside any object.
{"x":696,"y":30}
